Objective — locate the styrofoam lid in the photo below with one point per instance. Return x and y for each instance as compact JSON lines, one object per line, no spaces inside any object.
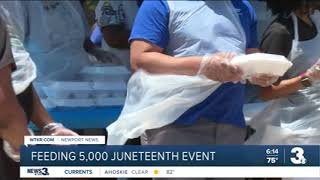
{"x":106,"y":70}
{"x":85,"y":85}
{"x":262,"y":63}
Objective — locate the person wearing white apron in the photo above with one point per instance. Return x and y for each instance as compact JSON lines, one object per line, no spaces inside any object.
{"x":13,"y":123}
{"x":173,"y":37}
{"x":294,"y":115}
{"x":116,"y":18}
{"x":18,"y":101}
{"x":41,"y":36}
{"x":53,"y":34}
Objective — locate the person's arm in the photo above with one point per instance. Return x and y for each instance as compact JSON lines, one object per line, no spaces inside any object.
{"x":279,"y":41}
{"x":150,"y":57}
{"x":43,"y":121}
{"x":252,"y":50}
{"x":216,"y":67}
{"x":39,"y":116}
{"x":281,"y":89}
{"x":13,"y":122}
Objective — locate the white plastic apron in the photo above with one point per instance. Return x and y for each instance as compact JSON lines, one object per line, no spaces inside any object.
{"x":55,"y":37}
{"x":294,"y":119}
{"x":153,"y":101}
{"x":25,"y":71}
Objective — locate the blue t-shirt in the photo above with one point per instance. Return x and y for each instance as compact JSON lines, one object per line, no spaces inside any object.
{"x":226,"y":103}
{"x":248,"y":20}
{"x":96,"y":36}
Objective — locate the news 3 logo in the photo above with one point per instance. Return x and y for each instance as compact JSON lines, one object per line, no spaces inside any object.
{"x":298,"y":156}
{"x":38,"y":171}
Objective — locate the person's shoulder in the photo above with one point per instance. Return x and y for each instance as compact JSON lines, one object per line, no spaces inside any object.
{"x":277,"y":38}
{"x":244,"y":5}
{"x":155,"y":4}
{"x":248,"y":6}
{"x":151,"y":23}
{"x":154,"y":9}
{"x":279,"y":27}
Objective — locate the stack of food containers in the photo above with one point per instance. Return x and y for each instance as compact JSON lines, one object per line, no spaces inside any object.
{"x":98,"y":85}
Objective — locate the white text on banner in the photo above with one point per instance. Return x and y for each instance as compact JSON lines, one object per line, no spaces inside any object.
{"x":63,"y":140}
{"x":169,"y":172}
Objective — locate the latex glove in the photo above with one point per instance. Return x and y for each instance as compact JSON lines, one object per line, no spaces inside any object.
{"x":11,"y":152}
{"x":314,"y":72}
{"x":217,"y":67}
{"x":263,"y":80}
{"x":104,"y":56}
{"x":57,"y":129}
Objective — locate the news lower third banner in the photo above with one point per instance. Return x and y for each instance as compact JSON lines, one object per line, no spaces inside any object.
{"x":98,"y":160}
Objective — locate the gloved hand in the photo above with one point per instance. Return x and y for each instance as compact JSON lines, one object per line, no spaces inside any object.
{"x":12,"y":152}
{"x":104,"y":56}
{"x":314,"y":72}
{"x":263,"y":80}
{"x":217,"y":67}
{"x":57,"y":129}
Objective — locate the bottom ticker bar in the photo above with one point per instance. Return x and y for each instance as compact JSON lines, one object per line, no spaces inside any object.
{"x":169,"y":172}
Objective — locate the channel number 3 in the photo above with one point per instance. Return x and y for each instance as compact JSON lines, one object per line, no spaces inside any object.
{"x":299,"y":158}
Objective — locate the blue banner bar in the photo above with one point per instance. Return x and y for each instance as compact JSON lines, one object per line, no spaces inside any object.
{"x":217,"y":155}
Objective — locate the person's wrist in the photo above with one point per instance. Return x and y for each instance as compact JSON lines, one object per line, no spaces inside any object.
{"x":306,"y":79}
{"x":203,"y":64}
{"x":50,"y":128}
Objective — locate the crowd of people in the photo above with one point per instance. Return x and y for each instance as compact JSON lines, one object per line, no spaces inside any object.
{"x":51,"y":40}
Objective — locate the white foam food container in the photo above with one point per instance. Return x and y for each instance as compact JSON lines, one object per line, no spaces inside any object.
{"x":106,"y":70}
{"x":105,"y":73}
{"x":117,"y":101}
{"x":73,"y":102}
{"x":114,"y":101}
{"x":262,"y":63}
{"x":83,"y":90}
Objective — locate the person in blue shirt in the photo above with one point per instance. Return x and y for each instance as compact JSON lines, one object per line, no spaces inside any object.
{"x":174,"y":37}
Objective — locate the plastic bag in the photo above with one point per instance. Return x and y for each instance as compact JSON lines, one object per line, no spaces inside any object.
{"x":13,"y":13}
